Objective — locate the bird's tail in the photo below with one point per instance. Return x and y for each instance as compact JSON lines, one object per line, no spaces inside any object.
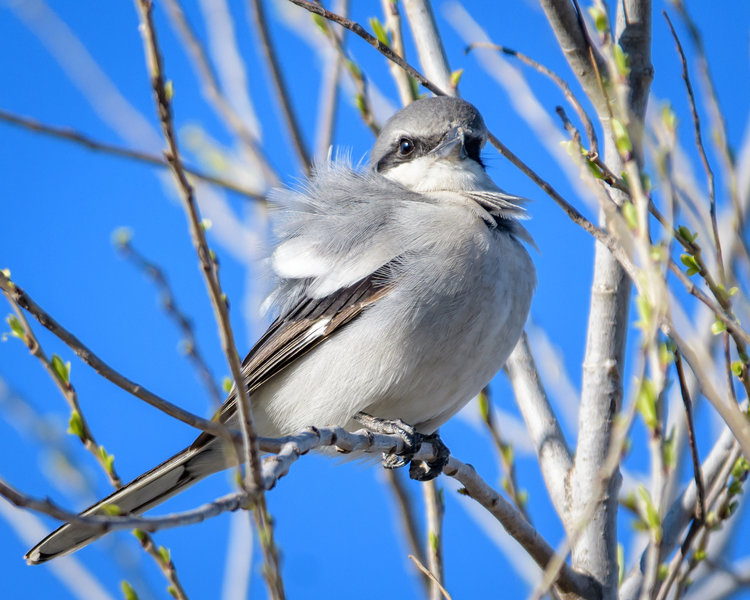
{"x":202,"y":458}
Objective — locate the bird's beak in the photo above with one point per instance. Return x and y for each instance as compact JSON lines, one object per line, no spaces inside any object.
{"x":452,"y":145}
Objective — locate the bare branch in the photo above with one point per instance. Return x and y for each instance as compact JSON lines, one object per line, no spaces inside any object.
{"x":17,"y":294}
{"x":356,"y":75}
{"x":407,"y":517}
{"x":549,"y":442}
{"x":156,"y":273}
{"x":442,"y":592}
{"x":277,"y":77}
{"x":65,"y":133}
{"x":697,"y":473}
{"x":701,"y":150}
{"x":433,"y":500}
{"x":570,"y":30}
{"x":329,"y":94}
{"x":559,"y":81}
{"x":429,"y":44}
{"x":251,"y":456}
{"x":505,"y":453}
{"x":733,"y":415}
{"x":165,"y":563}
{"x":722,"y":139}
{"x":213,"y":91}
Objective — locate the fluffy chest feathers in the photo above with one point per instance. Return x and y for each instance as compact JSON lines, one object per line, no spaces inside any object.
{"x":462,"y":313}
{"x":458,"y":296}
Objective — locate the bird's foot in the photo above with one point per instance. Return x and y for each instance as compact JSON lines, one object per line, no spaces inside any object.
{"x":422,"y":470}
{"x":418,"y":469}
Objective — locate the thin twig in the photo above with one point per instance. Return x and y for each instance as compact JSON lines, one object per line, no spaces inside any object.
{"x":682,"y":510}
{"x":435,"y":509}
{"x":722,"y":140}
{"x":731,"y":324}
{"x":251,"y":457}
{"x":439,"y":586}
{"x":65,"y":133}
{"x":156,"y":273}
{"x":559,"y":81}
{"x":163,"y":559}
{"x":215,"y":96}
{"x":328,"y":101}
{"x":734,"y":416}
{"x":701,"y":149}
{"x":718,"y":490}
{"x":603,"y":171}
{"x":600,"y":234}
{"x":17,"y":294}
{"x":356,"y":75}
{"x":60,"y":376}
{"x":277,"y":77}
{"x":697,"y":472}
{"x":80,"y":428}
{"x":504,"y":452}
{"x":407,"y":516}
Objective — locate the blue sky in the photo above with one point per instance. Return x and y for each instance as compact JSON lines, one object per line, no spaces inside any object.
{"x":61,"y":203}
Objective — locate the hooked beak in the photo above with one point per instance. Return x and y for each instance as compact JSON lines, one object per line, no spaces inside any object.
{"x":452,"y":145}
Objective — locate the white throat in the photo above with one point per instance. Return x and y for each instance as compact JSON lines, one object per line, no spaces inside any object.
{"x":429,"y":174}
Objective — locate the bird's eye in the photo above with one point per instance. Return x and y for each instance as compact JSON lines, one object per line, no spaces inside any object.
{"x":405,"y":146}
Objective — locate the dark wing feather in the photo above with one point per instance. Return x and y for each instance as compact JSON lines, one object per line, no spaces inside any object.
{"x":302,"y":328}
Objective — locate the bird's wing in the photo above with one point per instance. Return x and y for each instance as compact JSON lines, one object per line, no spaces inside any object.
{"x":310,"y":322}
{"x":289,"y":337}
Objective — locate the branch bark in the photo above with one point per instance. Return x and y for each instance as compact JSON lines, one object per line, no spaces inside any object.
{"x":543,"y":426}
{"x":429,"y":44}
{"x":601,"y":394}
{"x":18,"y":295}
{"x":569,"y":29}
{"x":250,"y":451}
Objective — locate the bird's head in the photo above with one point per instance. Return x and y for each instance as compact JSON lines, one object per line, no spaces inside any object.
{"x":434,"y":145}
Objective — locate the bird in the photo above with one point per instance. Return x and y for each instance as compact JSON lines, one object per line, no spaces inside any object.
{"x":401,"y":289}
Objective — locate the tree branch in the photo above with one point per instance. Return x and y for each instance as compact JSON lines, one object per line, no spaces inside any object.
{"x":251,"y":456}
{"x":183,"y":322}
{"x":277,"y":77}
{"x":65,"y":133}
{"x":542,"y":424}
{"x":212,"y":90}
{"x":435,"y":508}
{"x":287,"y":450}
{"x":17,"y":294}
{"x":570,"y":30}
{"x":429,"y":43}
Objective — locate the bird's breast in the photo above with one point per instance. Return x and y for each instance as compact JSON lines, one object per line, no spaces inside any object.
{"x":461,"y":310}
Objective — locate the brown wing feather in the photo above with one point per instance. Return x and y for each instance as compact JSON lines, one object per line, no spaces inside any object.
{"x":288,"y":337}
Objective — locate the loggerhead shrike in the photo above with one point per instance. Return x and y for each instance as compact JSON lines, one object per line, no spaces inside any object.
{"x":401,"y":291}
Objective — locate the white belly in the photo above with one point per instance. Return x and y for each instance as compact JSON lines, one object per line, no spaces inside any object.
{"x":421,"y":352}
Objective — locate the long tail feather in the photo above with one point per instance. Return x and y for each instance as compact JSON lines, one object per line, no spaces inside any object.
{"x":146,"y":491}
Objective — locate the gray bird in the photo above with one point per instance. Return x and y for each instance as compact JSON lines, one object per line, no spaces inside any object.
{"x":401,"y":291}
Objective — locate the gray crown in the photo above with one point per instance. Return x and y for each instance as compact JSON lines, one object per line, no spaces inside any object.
{"x":428,"y":118}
